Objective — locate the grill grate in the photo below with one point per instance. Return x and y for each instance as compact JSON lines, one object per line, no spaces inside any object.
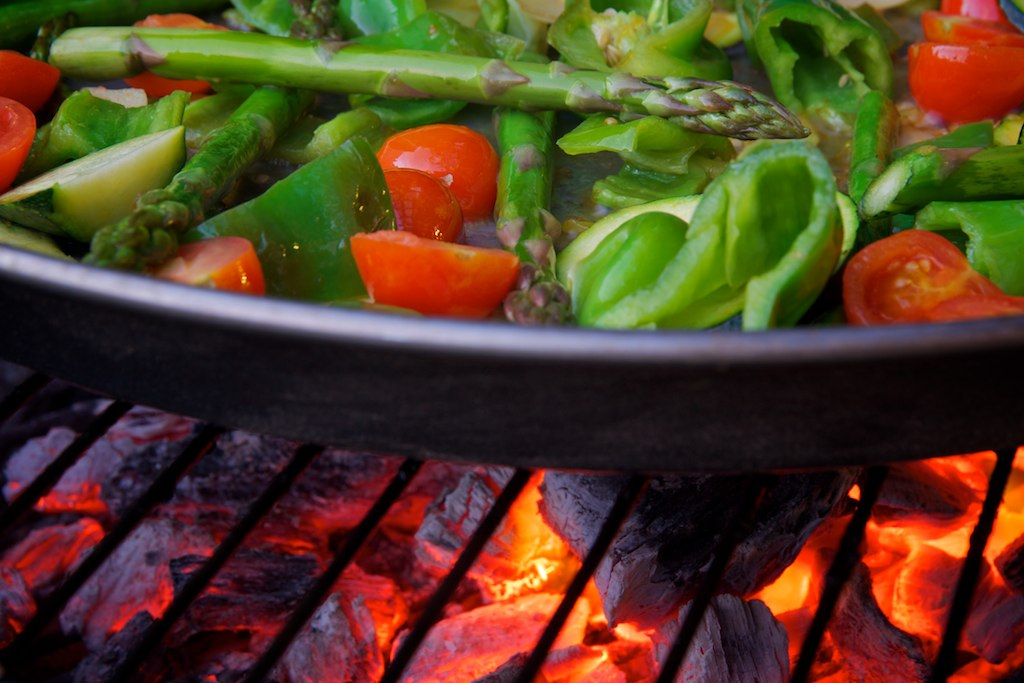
{"x":27,"y":646}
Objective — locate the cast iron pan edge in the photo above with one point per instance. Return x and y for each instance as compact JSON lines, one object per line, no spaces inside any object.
{"x":490,"y":392}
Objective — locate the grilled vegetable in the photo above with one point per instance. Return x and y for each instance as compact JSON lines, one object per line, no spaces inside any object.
{"x":228,"y":263}
{"x":85,"y":124}
{"x":820,"y":57}
{"x":932,"y":173}
{"x":525,"y":226}
{"x":752,"y":246}
{"x":20,"y":19}
{"x":79,"y":198}
{"x":26,"y":80}
{"x":154,"y":85}
{"x":149,"y":236}
{"x":423,"y":204}
{"x":874,"y":136}
{"x":640,"y":38}
{"x":919,"y":276}
{"x":30,"y":240}
{"x":301,"y":226}
{"x":995,"y":236}
{"x":724,"y":108}
{"x":17,"y":128}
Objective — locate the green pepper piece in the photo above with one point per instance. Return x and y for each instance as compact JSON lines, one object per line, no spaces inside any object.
{"x":995,"y":236}
{"x":752,"y":245}
{"x":207,"y":114}
{"x":302,"y":224}
{"x":366,"y":17}
{"x":313,"y":138}
{"x":85,"y":124}
{"x":820,"y":57}
{"x":275,"y":17}
{"x":632,"y":186}
{"x":663,"y":37}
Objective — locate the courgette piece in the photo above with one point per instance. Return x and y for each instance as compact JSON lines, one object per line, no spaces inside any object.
{"x":29,"y":240}
{"x":82,"y":196}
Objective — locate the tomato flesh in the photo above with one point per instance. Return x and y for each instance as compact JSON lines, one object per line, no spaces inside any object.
{"x":958,"y":82}
{"x":431,"y":277}
{"x":228,"y":263}
{"x":457,"y":155}
{"x":424,"y":205}
{"x":17,"y":129}
{"x":916,"y":276}
{"x":26,"y":80}
{"x":979,"y":9}
{"x":953,"y":29}
{"x":158,"y":86}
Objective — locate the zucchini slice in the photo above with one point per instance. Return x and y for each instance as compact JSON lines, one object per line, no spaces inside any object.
{"x":82,"y":196}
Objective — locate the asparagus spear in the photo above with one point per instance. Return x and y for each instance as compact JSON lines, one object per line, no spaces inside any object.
{"x":524,"y":224}
{"x":149,"y":235}
{"x":20,"y":19}
{"x":719,"y":107}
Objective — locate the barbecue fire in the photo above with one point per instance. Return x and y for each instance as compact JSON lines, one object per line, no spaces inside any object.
{"x":888,"y":622}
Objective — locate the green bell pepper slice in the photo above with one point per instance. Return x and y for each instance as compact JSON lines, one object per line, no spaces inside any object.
{"x":995,"y":236}
{"x":753,"y":245}
{"x":820,"y":57}
{"x":643,"y":38}
{"x":301,"y":226}
{"x":85,"y":124}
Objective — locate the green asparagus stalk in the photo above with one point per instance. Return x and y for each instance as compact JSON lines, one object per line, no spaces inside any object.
{"x":21,"y":19}
{"x":720,"y":107}
{"x":524,"y":224}
{"x":149,"y":235}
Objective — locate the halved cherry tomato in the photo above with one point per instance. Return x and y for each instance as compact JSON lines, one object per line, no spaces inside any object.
{"x":424,"y":205}
{"x":434,"y":278}
{"x":953,"y":29}
{"x":916,"y":276}
{"x":979,"y":9}
{"x":17,"y":129}
{"x":26,"y":80}
{"x":459,"y":156}
{"x":963,"y":83}
{"x":158,"y":86}
{"x":219,"y":262}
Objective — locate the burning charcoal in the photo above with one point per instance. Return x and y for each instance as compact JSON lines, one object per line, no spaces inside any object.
{"x":337,"y":646}
{"x":47,"y":554}
{"x":56,"y":405}
{"x":255,"y":591}
{"x":136,"y":577}
{"x":995,"y":626}
{"x":453,"y":518}
{"x":664,"y":548}
{"x":478,"y":642}
{"x":737,"y":641}
{"x":16,"y":604}
{"x":575,"y":664}
{"x":101,"y":665}
{"x":871,"y":647}
{"x":932,"y":489}
{"x":142,"y":436}
{"x":1010,"y":564}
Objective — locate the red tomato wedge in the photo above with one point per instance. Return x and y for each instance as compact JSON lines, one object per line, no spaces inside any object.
{"x":461,"y":157}
{"x":953,"y":29}
{"x":979,"y":9}
{"x":424,"y":205}
{"x":17,"y":129}
{"x":228,"y":263}
{"x":26,"y":80}
{"x":963,"y":83}
{"x":158,"y":86}
{"x":431,"y":277}
{"x":916,"y":276}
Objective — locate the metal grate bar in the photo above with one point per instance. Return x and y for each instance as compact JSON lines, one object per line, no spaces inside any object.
{"x":21,"y":395}
{"x":63,"y":462}
{"x":752,"y":495}
{"x":198,"y":581}
{"x":626,"y":499}
{"x":846,"y":559}
{"x":342,"y":558}
{"x":432,"y":612}
{"x":160,"y":490}
{"x":959,"y":610}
